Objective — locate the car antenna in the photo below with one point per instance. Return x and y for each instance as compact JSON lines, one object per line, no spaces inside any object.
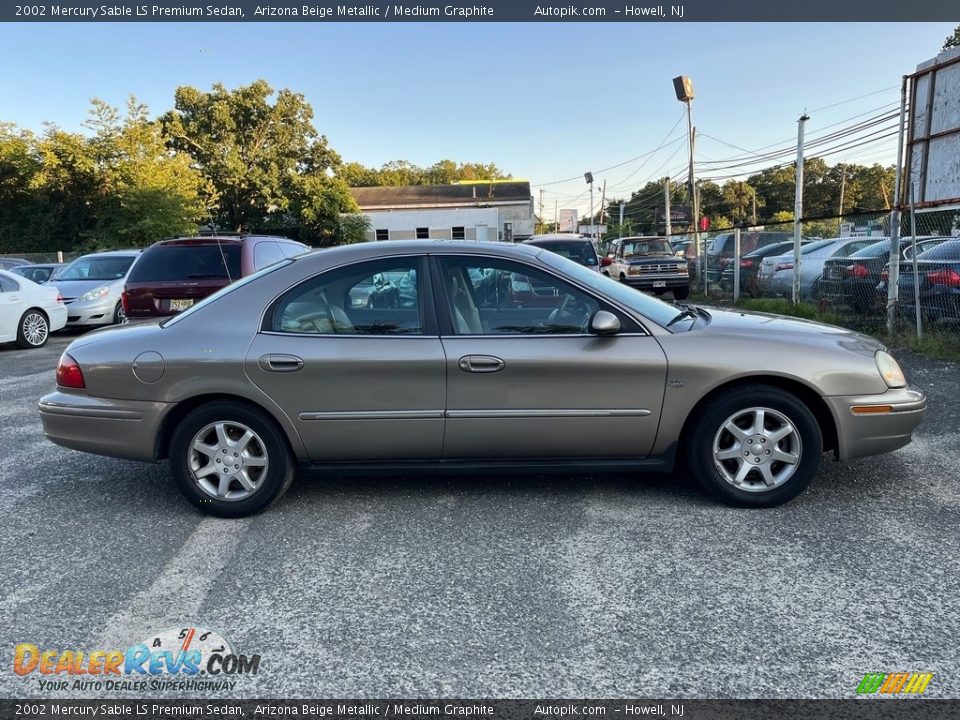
{"x":223,"y":258}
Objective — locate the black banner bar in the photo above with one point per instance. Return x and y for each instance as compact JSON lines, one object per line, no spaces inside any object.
{"x":892,"y":708}
{"x":622,"y":11}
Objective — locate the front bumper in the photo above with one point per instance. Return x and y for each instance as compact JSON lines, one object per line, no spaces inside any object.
{"x":117,"y":428}
{"x":876,"y":433}
{"x":91,"y":312}
{"x":651,"y":282}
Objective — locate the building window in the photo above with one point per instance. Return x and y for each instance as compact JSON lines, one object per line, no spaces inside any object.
{"x":458,"y":233}
{"x":423,"y":233}
{"x":383,"y":234}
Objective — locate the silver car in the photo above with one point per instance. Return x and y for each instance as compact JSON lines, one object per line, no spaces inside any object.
{"x":92,"y":286}
{"x":775,"y":276}
{"x":283,"y":371}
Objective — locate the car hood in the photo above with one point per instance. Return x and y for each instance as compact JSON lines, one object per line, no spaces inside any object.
{"x":738,"y":323}
{"x":76,"y":288}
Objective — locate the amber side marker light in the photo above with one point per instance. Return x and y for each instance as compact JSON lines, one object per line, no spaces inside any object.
{"x":871,"y":409}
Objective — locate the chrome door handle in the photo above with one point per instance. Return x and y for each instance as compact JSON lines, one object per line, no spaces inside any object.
{"x":480,"y":363}
{"x":281,"y":363}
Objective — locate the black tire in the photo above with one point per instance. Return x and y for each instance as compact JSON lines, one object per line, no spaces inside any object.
{"x":119,"y":315}
{"x":32,"y":319}
{"x":699,"y":446}
{"x":271,"y":484}
{"x":681,"y":293}
{"x":623,"y":278}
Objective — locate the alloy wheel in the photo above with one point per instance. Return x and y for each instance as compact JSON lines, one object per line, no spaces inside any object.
{"x":757,"y":449}
{"x":35,"y":329}
{"x":228,"y":460}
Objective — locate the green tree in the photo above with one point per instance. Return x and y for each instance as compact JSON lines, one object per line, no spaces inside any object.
{"x":352,"y":228}
{"x":147,"y":191}
{"x":254,"y":146}
{"x":953,"y":40}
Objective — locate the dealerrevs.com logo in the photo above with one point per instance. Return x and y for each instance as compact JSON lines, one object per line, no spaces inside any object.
{"x":178,"y":659}
{"x":894,"y":683}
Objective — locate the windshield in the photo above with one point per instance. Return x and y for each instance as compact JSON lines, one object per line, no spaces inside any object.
{"x":657,"y":310}
{"x":874,"y":250}
{"x":576,"y":250}
{"x":226,"y":290}
{"x":653,"y":246}
{"x":98,"y":268}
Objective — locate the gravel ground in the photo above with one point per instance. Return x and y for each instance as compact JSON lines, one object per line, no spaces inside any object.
{"x":606,"y":586}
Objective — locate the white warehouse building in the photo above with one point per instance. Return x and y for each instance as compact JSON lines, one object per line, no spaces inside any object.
{"x":494,"y":211}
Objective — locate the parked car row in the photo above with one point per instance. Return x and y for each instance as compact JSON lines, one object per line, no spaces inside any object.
{"x":105,"y":288}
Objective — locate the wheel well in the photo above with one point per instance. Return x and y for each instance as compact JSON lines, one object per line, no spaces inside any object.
{"x":816,"y":405}
{"x":185,"y":407}
{"x":39,"y":310}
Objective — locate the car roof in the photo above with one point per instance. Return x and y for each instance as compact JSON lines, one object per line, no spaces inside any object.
{"x":554,"y":239}
{"x":200,"y":240}
{"x":385,"y":248}
{"x":111,"y":253}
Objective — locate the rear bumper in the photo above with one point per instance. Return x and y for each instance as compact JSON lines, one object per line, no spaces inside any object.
{"x":116,"y":428}
{"x":874,"y":434}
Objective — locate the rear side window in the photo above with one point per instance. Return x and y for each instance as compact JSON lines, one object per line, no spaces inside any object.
{"x":8,"y":285}
{"x":172,"y":263}
{"x":266,"y":252}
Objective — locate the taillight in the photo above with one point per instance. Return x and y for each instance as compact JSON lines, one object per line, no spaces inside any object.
{"x":69,"y":374}
{"x":125,"y":301}
{"x":950,"y":278}
{"x":60,"y":298}
{"x":857,"y":271}
{"x":746,"y":264}
{"x":784,"y":266}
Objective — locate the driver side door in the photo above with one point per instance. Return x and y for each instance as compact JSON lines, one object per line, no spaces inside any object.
{"x":525,"y":377}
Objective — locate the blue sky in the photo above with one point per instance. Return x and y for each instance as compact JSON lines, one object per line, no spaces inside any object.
{"x":543,"y":101}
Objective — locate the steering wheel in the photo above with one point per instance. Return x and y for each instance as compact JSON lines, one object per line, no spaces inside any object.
{"x":570,"y":308}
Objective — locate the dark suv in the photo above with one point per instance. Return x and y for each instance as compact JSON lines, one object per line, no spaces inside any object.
{"x":172,"y":275}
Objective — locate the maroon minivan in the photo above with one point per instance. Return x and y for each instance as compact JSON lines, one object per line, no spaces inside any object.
{"x":171,"y":275}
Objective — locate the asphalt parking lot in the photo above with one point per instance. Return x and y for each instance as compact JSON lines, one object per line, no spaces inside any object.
{"x":605,"y":586}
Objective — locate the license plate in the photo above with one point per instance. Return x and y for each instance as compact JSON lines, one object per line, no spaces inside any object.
{"x":178,"y":305}
{"x":659,"y":283}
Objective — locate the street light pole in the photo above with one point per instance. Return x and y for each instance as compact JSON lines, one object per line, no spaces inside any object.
{"x":683,"y":87}
{"x":798,"y":209}
{"x":588,"y":176}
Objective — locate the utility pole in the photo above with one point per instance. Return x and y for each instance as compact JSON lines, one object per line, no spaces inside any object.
{"x":843,"y":182}
{"x":556,"y":216}
{"x":893,"y":282}
{"x":666,"y":206}
{"x":588,"y":176}
{"x":542,"y":222}
{"x":798,"y":209}
{"x":603,"y":203}
{"x":622,"y":206}
{"x":754,"y":207}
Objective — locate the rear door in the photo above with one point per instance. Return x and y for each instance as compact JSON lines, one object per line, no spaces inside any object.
{"x":361,"y":380}
{"x":530,"y":381}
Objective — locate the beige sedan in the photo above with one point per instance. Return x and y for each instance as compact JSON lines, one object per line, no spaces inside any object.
{"x":488,"y":357}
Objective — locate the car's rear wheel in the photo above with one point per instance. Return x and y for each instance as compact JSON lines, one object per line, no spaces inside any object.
{"x":230,"y":460}
{"x":33,"y":331}
{"x":755,"y":446}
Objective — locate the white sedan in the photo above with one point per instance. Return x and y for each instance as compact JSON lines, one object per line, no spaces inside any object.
{"x":29,"y":312}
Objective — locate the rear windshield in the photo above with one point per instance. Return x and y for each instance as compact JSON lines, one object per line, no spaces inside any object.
{"x":576,"y":250}
{"x":949,"y":250}
{"x":171,"y":263}
{"x":875,"y":250}
{"x":98,"y":268}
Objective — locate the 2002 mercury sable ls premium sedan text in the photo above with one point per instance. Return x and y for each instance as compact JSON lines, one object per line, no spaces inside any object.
{"x":284,"y":369}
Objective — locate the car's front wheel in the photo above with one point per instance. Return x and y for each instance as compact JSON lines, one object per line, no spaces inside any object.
{"x":33,"y":330}
{"x":230,"y":460}
{"x":755,"y":446}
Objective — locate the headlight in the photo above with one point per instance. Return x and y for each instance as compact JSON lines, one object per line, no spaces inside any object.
{"x":890,"y":370}
{"x":94,"y":294}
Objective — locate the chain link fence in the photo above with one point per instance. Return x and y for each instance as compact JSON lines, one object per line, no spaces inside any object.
{"x":844,"y":274}
{"x":43,"y":258}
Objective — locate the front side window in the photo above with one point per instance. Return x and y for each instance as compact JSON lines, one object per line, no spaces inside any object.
{"x":372,"y":298}
{"x":487,"y":296}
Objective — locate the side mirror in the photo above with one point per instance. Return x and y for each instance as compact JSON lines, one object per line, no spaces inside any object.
{"x":604,"y":323}
{"x":606,"y":262}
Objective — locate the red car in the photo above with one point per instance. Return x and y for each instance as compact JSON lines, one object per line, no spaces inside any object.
{"x":171,"y":275}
